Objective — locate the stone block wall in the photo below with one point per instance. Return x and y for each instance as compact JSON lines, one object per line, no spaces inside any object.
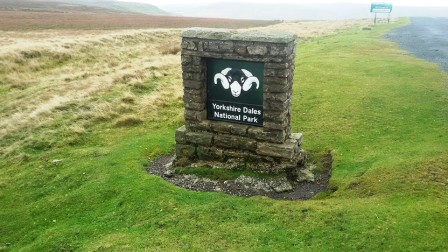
{"x":202,"y":142}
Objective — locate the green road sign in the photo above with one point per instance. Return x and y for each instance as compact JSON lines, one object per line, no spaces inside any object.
{"x":381,"y":8}
{"x":235,"y":91}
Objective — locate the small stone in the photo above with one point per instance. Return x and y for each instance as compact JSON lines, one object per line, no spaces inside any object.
{"x":243,"y":179}
{"x":239,"y":129}
{"x":221,"y":127}
{"x":241,"y":50}
{"x":189,"y":45}
{"x":280,"y":185}
{"x":251,"y":182}
{"x":276,"y":136}
{"x":56,"y":161}
{"x":257,"y":50}
{"x":305,"y":175}
{"x":235,"y":142}
{"x":200,"y":138}
{"x":311,"y":167}
{"x":193,"y":84}
{"x":180,"y":135}
{"x":169,"y":164}
{"x":283,"y":187}
{"x":278,"y":50}
{"x":298,"y":137}
{"x":260,"y":186}
{"x":285,"y":150}
{"x":181,"y":162}
{"x":168,"y":173}
{"x":209,"y":153}
{"x":187,"y":151}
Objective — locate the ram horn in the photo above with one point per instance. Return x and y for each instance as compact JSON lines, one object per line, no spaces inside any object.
{"x":225,"y":71}
{"x":224,"y":80}
{"x":249,"y":81}
{"x":247,"y":73}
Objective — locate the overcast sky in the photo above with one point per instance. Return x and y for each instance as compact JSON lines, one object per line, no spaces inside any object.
{"x":395,"y":2}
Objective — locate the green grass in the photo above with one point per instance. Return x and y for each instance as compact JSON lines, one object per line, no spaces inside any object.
{"x":373,"y":106}
{"x":382,"y":113}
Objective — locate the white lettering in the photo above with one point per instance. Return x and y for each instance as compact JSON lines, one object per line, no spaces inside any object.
{"x":227,"y":116}
{"x":250,"y":119}
{"x":228,"y":108}
{"x":251,"y":111}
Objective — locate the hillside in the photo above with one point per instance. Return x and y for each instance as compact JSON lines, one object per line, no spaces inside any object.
{"x":80,"y":6}
{"x":27,"y":20}
{"x":50,"y":7}
{"x":141,"y":8}
{"x":76,"y":14}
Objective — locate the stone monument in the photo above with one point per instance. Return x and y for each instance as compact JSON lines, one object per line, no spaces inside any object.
{"x":237,"y":96}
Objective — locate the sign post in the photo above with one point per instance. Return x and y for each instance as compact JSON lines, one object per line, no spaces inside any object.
{"x":237,"y":98}
{"x":381,"y":8}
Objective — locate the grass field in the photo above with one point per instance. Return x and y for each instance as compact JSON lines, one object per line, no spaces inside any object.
{"x":30,"y":15}
{"x":81,"y":118}
{"x":29,"y":21}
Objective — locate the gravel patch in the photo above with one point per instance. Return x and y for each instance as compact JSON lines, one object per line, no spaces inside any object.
{"x":281,"y":188}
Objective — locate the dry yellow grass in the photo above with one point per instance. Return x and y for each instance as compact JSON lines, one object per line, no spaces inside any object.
{"x":312,"y":29}
{"x":73,"y":79}
{"x":55,"y":85}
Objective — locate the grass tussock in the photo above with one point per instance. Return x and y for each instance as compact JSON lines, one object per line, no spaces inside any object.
{"x":31,"y":54}
{"x":128,"y":98}
{"x":172,"y":48}
{"x":128,"y":121}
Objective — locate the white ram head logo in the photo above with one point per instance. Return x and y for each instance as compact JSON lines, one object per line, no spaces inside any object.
{"x":236,"y":79}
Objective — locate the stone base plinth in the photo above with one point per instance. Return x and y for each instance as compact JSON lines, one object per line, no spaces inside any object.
{"x":232,"y":151}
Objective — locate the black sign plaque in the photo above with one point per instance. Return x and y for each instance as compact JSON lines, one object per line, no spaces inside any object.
{"x":235,"y":91}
